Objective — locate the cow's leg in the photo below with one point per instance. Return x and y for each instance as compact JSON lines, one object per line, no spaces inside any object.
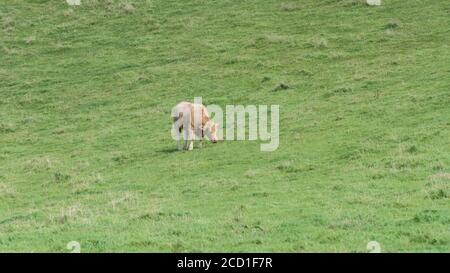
{"x":200,"y":143}
{"x":191,"y":140}
{"x":186,"y":138}
{"x":187,"y":130}
{"x":178,"y":127}
{"x":179,"y":143}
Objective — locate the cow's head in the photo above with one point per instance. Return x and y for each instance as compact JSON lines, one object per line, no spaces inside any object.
{"x":210,"y":129}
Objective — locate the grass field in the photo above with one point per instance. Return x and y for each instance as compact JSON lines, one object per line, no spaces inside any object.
{"x":86,"y":153}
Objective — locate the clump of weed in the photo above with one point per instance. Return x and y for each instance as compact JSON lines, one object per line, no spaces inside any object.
{"x":405,"y":157}
{"x":66,"y":214}
{"x":260,"y":194}
{"x":41,"y":163}
{"x":68,"y":13}
{"x":426,"y":216}
{"x":128,"y":8}
{"x":438,"y":187}
{"x":289,"y":7}
{"x":343,"y":90}
{"x":412,"y":149}
{"x":7,"y":191}
{"x":61,"y":177}
{"x":281,"y":86}
{"x":95,"y":178}
{"x":265,"y":79}
{"x":8,"y":24}
{"x":250,"y":173}
{"x":58,"y":131}
{"x":119,"y":157}
{"x":304,"y":72}
{"x":351,"y":3}
{"x":29,"y":40}
{"x":426,"y":238}
{"x":393,"y":24}
{"x":238,"y":215}
{"x":318,"y":43}
{"x":232,"y":60}
{"x":7,"y":128}
{"x":151,"y":24}
{"x":269,"y":39}
{"x":84,"y":184}
{"x":177,"y":247}
{"x":274,"y":38}
{"x":339,"y":91}
{"x":287,"y":166}
{"x":125,"y":199}
{"x":90,"y":179}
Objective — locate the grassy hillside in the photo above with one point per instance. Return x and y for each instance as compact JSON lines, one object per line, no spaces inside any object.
{"x":85,"y":146}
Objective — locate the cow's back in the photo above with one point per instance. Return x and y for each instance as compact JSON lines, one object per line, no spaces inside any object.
{"x":196,"y":113}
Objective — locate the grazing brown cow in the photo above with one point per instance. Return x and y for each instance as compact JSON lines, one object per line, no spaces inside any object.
{"x":195,"y":121}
